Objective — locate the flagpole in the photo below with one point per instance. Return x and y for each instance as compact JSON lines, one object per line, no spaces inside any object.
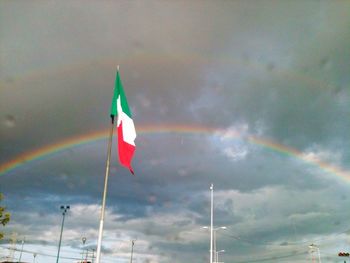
{"x":99,"y":241}
{"x":211,"y":221}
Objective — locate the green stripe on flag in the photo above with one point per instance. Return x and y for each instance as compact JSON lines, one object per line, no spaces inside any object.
{"x":119,"y":91}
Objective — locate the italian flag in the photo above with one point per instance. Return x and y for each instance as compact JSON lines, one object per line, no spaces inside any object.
{"x":125,"y":125}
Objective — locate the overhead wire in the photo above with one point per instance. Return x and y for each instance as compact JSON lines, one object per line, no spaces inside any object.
{"x":287,"y":243}
{"x":48,"y":255}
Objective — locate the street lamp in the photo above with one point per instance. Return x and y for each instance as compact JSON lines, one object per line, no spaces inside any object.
{"x":217,"y":255}
{"x":214,"y":239}
{"x":83,"y":250}
{"x":132,"y":249}
{"x":312,"y":247}
{"x":93,"y":255}
{"x":64,"y":210}
{"x":211,"y":220}
{"x":20,"y":255}
{"x":216,"y":229}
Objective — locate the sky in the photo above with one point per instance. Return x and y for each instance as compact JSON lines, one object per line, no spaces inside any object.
{"x":252,"y":96}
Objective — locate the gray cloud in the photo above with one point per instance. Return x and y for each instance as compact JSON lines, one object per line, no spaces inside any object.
{"x":221,"y":73}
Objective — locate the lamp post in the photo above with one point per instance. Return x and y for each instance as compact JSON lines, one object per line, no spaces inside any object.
{"x":213,"y":230}
{"x":64,"y":210}
{"x":216,"y":229}
{"x":83,"y":239}
{"x":93,"y":255}
{"x":20,"y":255}
{"x":132,"y":249}
{"x":312,"y":247}
{"x":217,"y":255}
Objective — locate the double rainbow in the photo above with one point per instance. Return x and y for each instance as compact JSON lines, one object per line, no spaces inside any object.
{"x":182,"y":129}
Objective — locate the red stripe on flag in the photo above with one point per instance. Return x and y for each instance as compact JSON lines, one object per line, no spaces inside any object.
{"x":125,"y":150}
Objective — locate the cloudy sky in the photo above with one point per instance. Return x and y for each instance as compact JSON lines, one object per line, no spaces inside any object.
{"x":252,"y":96}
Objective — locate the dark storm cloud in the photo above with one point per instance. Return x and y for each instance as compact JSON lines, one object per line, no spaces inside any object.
{"x":272,"y":70}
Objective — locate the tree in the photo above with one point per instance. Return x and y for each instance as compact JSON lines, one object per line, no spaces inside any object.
{"x":4,"y":216}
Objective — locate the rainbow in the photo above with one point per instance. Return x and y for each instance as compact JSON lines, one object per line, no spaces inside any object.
{"x":110,"y":63}
{"x":168,"y":129}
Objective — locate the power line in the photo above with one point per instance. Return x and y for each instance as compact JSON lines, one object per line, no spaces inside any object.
{"x":262,"y":243}
{"x":273,"y":258}
{"x":53,"y":256}
{"x":38,"y":253}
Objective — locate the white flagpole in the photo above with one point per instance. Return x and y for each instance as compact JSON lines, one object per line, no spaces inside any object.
{"x":211,"y":224}
{"x":99,"y":241}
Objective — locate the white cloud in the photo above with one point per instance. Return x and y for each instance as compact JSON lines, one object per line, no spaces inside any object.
{"x":235,"y":152}
{"x":318,"y":154}
{"x":232,"y":142}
